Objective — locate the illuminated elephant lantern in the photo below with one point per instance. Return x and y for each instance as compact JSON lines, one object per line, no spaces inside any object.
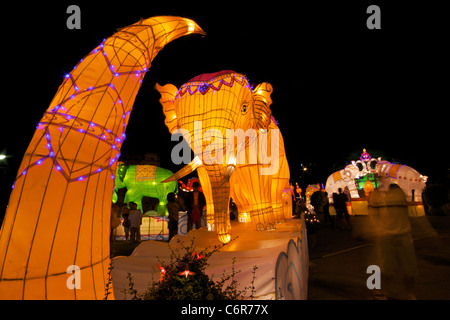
{"x":204,"y":108}
{"x":58,"y":217}
{"x":341,"y":179}
{"x":406,"y":177}
{"x":262,"y":199}
{"x":145,"y":181}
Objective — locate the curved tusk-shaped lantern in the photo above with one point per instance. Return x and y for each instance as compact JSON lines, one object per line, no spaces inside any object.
{"x":58,"y":215}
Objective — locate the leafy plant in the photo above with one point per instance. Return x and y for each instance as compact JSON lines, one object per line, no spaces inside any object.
{"x":108,"y":285}
{"x":312,"y":223}
{"x":184,"y":278}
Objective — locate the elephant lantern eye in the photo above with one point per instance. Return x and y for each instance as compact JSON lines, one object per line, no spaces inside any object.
{"x":244,"y":108}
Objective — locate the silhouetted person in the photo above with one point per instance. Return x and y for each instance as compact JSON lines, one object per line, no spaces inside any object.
{"x":233,"y":210}
{"x":317,"y":201}
{"x":172,"y":207}
{"x":135,"y":221}
{"x":340,"y":204}
{"x":326,"y":210}
{"x":389,"y":211}
{"x":195,"y":201}
{"x":115,"y":220}
{"x":125,"y":213}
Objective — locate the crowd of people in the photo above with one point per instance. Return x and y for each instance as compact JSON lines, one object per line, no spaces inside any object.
{"x":132,"y":220}
{"x":341,"y":202}
{"x":190,"y":202}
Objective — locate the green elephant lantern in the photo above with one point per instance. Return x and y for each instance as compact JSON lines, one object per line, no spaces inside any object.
{"x":144,"y":181}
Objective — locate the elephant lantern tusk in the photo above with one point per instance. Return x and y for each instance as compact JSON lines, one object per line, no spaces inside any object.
{"x":194,"y":164}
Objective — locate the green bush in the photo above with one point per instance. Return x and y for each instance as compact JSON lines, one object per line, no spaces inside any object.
{"x":184,"y":278}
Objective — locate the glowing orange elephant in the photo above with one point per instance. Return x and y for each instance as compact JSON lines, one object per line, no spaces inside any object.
{"x":263,"y":199}
{"x":203,"y":109}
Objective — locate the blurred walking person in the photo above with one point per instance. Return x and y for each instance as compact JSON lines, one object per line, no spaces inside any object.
{"x":389,"y":210}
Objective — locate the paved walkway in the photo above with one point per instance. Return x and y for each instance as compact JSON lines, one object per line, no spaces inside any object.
{"x":339,"y":261}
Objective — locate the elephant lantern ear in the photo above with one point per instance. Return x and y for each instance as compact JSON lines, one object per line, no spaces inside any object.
{"x":261,"y":106}
{"x":167,"y":100}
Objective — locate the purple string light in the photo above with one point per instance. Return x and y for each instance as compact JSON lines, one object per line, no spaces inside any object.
{"x":58,"y":116}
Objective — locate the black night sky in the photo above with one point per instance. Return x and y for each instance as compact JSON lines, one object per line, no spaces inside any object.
{"x":338,"y":87}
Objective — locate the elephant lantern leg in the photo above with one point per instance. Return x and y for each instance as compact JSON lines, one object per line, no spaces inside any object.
{"x":206,"y":186}
{"x":221,"y":199}
{"x":278,"y":212}
{"x":263,"y":218}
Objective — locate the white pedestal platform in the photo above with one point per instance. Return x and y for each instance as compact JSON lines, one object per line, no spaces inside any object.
{"x":281,"y":257}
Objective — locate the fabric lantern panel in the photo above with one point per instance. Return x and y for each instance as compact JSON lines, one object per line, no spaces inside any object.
{"x":59,"y":210}
{"x":280,"y":180}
